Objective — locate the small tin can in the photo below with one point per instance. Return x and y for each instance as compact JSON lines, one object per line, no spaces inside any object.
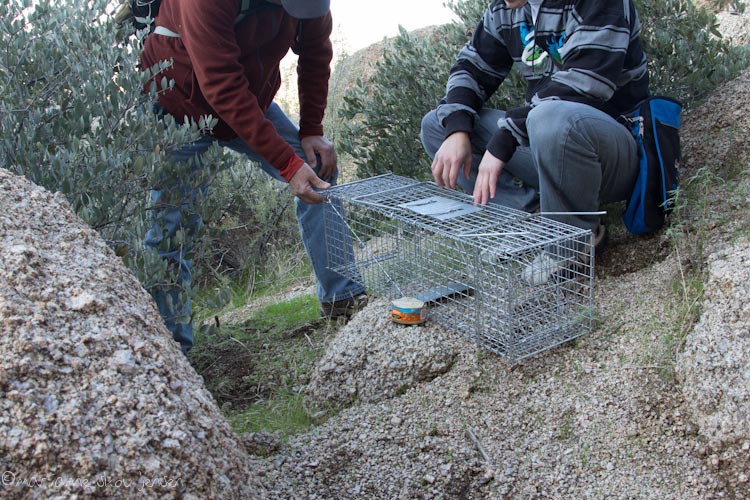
{"x":408,"y":311}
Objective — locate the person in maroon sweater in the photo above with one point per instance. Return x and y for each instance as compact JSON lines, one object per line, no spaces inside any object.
{"x":229,"y":69}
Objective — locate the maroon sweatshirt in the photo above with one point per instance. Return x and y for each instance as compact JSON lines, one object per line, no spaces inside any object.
{"x":232,"y":71}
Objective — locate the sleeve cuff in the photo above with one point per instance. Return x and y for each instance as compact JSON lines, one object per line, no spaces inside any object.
{"x":310,"y":131}
{"x":460,"y":121}
{"x":291,"y":168}
{"x":502,"y":145}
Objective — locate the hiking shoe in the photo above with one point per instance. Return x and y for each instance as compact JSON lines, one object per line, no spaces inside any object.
{"x":344,"y":307}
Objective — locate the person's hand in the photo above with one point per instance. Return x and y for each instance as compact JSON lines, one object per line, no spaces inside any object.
{"x":486,"y":184}
{"x":321,"y":145}
{"x":304,"y":183}
{"x":454,"y":154}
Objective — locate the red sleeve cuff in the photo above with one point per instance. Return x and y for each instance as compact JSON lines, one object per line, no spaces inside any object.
{"x":311,"y":131}
{"x":294,"y":164}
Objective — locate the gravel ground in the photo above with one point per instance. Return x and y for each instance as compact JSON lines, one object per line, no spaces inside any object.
{"x":600,"y":419}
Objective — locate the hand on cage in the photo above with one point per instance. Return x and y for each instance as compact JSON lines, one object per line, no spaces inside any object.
{"x":453,"y":155}
{"x":486,"y":184}
{"x":304,"y":183}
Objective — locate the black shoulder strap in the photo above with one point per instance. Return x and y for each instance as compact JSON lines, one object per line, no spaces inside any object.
{"x":247,"y":8}
{"x":250,"y":7}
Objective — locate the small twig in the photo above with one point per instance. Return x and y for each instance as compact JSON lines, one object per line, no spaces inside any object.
{"x":241,"y":344}
{"x":626,"y":367}
{"x":470,"y":434}
{"x":641,"y":367}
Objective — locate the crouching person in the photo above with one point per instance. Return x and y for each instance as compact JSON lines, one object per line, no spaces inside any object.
{"x":564,"y":152}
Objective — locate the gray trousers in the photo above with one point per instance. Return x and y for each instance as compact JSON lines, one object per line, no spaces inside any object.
{"x":578,"y":159}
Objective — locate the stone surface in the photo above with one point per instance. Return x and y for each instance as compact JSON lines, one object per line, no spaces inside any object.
{"x":714,"y":367}
{"x":372,"y":358}
{"x":97,"y":399}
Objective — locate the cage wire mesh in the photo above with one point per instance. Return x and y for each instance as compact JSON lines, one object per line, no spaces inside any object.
{"x":514,"y":283}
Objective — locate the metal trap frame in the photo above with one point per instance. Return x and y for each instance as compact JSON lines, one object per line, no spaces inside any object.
{"x":483,"y":271}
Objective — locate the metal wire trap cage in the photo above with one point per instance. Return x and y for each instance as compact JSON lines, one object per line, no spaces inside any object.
{"x":515,"y":283}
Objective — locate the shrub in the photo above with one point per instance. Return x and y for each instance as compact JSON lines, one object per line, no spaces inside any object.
{"x":382,"y":121}
{"x":248,"y":216}
{"x":687,"y":55}
{"x":687,"y":59}
{"x":73,"y":119}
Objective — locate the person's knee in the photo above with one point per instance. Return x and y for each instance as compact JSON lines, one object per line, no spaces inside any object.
{"x":431,"y":133}
{"x":546,"y":121}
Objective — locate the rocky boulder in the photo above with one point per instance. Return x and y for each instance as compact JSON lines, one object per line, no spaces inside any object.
{"x":96,"y":399}
{"x":372,"y":359}
{"x":713,"y":367}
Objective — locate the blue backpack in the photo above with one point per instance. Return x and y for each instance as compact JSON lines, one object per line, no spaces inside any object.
{"x":655,"y":124}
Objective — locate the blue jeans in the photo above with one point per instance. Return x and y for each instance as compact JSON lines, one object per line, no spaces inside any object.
{"x":176,"y":307}
{"x":578,"y":158}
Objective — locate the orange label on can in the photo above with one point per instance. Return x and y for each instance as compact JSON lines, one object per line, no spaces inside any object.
{"x":407,"y":311}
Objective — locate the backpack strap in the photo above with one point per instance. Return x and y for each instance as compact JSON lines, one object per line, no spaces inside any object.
{"x":247,"y":8}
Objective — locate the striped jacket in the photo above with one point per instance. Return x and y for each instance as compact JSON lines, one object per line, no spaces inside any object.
{"x":587,"y":51}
